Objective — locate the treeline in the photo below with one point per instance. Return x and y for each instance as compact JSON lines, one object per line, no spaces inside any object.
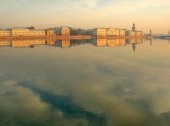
{"x":79,"y":31}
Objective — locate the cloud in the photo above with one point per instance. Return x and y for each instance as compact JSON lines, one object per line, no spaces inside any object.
{"x":108,"y":81}
{"x":86,"y":13}
{"x":21,"y":103}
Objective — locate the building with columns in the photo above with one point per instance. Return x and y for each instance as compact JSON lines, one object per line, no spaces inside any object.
{"x":113,"y":32}
{"x":122,"y":32}
{"x":100,"y":32}
{"x":5,"y":33}
{"x":27,"y":32}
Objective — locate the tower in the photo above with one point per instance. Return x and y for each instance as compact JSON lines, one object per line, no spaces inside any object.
{"x":133,"y":27}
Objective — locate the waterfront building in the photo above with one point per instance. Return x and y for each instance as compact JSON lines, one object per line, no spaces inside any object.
{"x":5,"y":43}
{"x":113,"y":42}
{"x":50,"y":32}
{"x":113,"y":32}
{"x":134,"y":32}
{"x":122,"y":32}
{"x":5,"y":33}
{"x":130,"y":33}
{"x":27,"y":43}
{"x":101,"y":32}
{"x":27,"y":32}
{"x":139,"y":33}
{"x":65,"y":31}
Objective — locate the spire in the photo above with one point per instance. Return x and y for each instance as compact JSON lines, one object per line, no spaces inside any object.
{"x":133,"y":28}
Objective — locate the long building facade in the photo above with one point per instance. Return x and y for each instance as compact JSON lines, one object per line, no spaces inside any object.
{"x":122,"y":32}
{"x":134,"y":33}
{"x":102,"y":32}
{"x":139,"y":33}
{"x":113,"y":32}
{"x":5,"y":33}
{"x":27,"y":32}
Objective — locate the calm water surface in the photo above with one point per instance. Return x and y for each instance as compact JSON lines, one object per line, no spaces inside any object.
{"x":85,"y":83}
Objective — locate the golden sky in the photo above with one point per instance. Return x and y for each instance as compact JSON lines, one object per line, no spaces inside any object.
{"x":147,"y":14}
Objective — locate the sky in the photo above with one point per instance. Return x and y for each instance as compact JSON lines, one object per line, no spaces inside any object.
{"x":146,"y":14}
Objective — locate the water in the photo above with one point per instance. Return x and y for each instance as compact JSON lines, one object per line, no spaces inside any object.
{"x":85,"y":83}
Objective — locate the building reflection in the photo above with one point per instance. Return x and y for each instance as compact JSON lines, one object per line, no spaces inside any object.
{"x":134,"y":47}
{"x":122,"y":42}
{"x":27,"y":43}
{"x":5,"y":43}
{"x":70,"y":43}
{"x":100,"y":42}
{"x":59,"y":43}
{"x":150,"y":41}
{"x":50,"y":42}
{"x":109,"y":42}
{"x":65,"y":43}
{"x":112,"y":42}
{"x":134,"y":43}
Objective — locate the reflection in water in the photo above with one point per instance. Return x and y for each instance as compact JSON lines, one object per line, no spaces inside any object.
{"x":68,"y":43}
{"x":113,"y":42}
{"x":65,"y":104}
{"x":26,"y":43}
{"x":150,"y":41}
{"x":84,"y":85}
{"x":134,"y":47}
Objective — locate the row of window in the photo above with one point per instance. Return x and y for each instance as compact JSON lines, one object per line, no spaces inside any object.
{"x":28,"y":33}
{"x":5,"y":32}
{"x":21,"y":32}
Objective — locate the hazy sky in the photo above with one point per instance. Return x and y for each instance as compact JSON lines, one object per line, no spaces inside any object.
{"x":87,"y":13}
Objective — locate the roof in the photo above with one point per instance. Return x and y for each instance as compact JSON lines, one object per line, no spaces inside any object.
{"x":20,"y":28}
{"x":112,"y":28}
